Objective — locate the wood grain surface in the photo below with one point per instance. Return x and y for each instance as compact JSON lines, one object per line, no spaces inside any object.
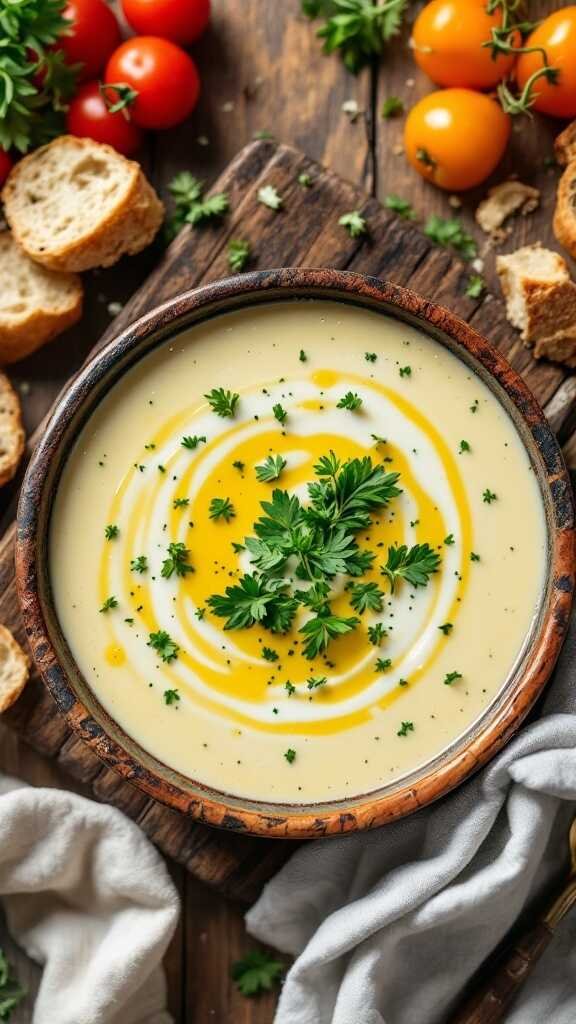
{"x":262,"y":71}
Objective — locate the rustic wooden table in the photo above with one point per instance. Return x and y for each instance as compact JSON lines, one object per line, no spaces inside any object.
{"x":262,"y":72}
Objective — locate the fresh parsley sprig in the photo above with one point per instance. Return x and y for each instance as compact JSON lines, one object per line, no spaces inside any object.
{"x":357,"y":29}
{"x":190,"y":205}
{"x":257,"y":972}
{"x":415,"y":565}
{"x":11,"y":992}
{"x":222,"y":402}
{"x":270,"y":469}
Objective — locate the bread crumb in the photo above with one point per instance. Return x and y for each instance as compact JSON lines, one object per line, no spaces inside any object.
{"x":504,"y":200}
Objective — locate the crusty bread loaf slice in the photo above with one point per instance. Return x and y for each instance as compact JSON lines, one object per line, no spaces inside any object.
{"x":540,"y":296}
{"x":14,"y":669}
{"x":35,"y":304}
{"x":76,"y":204}
{"x":12,"y":437}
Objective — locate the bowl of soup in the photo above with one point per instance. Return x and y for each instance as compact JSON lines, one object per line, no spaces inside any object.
{"x":296,"y":552}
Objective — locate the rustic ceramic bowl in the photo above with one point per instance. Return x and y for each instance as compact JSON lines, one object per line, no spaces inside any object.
{"x":72,"y":695}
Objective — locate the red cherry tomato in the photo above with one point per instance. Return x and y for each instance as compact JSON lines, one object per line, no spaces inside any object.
{"x":89,"y":117}
{"x":162,"y":74}
{"x":182,"y":21}
{"x":94,"y":35}
{"x":6,"y":165}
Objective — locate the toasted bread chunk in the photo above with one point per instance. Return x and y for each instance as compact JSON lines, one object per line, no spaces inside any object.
{"x":35,"y":304}
{"x":504,"y":200}
{"x":76,"y":204}
{"x":565,"y":145}
{"x":540,"y":300}
{"x":14,"y":669}
{"x":12,"y":437}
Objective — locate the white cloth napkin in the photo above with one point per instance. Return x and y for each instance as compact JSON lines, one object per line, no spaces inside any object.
{"x":388,"y":926}
{"x":87,"y":896}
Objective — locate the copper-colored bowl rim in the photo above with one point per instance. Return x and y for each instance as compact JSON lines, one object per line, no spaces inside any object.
{"x":89,"y":720}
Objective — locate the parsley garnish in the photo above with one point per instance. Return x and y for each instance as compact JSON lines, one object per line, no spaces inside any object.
{"x":190,"y":205}
{"x":322,"y":628}
{"x":238,"y":254}
{"x":256,"y":599}
{"x":290,"y":755}
{"x":289,"y":687}
{"x":302,"y":357}
{"x":358,"y":29}
{"x":451,"y":235}
{"x":279,"y":413}
{"x":139,"y":564}
{"x":474,"y":557}
{"x":383,"y":664}
{"x":240,"y":466}
{"x":269,"y":196}
{"x":270,"y":654}
{"x":270,"y":469}
{"x":349,"y":401}
{"x":163,"y":645}
{"x":400,"y":206}
{"x":405,"y":371}
{"x":171,"y":696}
{"x":366,"y":596}
{"x":446,"y":628}
{"x":11,"y":993}
{"x":354,"y":223}
{"x":192,"y":442}
{"x":376,"y":634}
{"x":415,"y":565}
{"x":314,"y":682}
{"x":110,"y":602}
{"x":464,"y":447}
{"x":488,"y":496}
{"x":180,"y":502}
{"x":475,"y":405}
{"x":449,"y":540}
{"x":475,"y":286}
{"x":304,"y":180}
{"x":111,"y":531}
{"x":370,"y":357}
{"x":451,"y":677}
{"x":392,"y":107}
{"x":222,"y":508}
{"x":405,"y":728}
{"x":257,"y":972}
{"x":222,"y":402}
{"x":177,"y":561}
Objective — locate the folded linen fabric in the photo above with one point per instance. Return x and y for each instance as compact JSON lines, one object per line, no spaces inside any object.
{"x":88,"y":897}
{"x":388,"y":926}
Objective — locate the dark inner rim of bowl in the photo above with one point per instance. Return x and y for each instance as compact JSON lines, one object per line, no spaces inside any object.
{"x":98,"y":382}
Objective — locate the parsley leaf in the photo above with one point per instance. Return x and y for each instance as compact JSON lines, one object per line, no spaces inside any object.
{"x":452,"y":677}
{"x":314,"y":682}
{"x":383,"y":664}
{"x":475,"y":286}
{"x":190,"y":205}
{"x":270,"y":469}
{"x":376,"y":634}
{"x":357,"y":29}
{"x":269,"y":654}
{"x":349,"y":401}
{"x":222,"y":508}
{"x":290,"y":756}
{"x":171,"y":696}
{"x":464,"y":447}
{"x":450,"y":234}
{"x":354,"y":223}
{"x":192,"y":442}
{"x":180,"y":502}
{"x":446,"y":628}
{"x":110,"y":602}
{"x":223,"y":402}
{"x":164,"y":645}
{"x":11,"y":993}
{"x":177,"y":561}
{"x":289,"y":687}
{"x":256,"y":599}
{"x":279,"y":413}
{"x":400,"y":206}
{"x":111,"y":531}
{"x":415,"y":565}
{"x":139,"y":564}
{"x":257,"y":972}
{"x":391,"y":107}
{"x":488,"y":496}
{"x":238,"y":254}
{"x":405,"y":728}
{"x":270,"y":197}
{"x":366,"y":596}
{"x":322,"y":628}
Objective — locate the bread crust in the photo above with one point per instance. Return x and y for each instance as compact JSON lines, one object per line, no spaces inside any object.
{"x":12,"y":436}
{"x":564,"y":222}
{"x":14,"y":669}
{"x":126,"y":229}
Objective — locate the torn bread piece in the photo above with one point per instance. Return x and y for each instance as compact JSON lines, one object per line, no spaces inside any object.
{"x":540,"y":300}
{"x":504,"y":200}
{"x":565,"y":213}
{"x":12,"y":437}
{"x":565,"y":145}
{"x":76,"y":204}
{"x":35,"y":304}
{"x":14,"y":669}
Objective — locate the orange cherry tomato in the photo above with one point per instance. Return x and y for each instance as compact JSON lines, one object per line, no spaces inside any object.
{"x":447,"y":43}
{"x":456,"y":137}
{"x":557,"y":35}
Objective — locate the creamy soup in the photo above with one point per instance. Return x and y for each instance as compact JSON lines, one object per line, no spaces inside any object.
{"x":355,"y":626}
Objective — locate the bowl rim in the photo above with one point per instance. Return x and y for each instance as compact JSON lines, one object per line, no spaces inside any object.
{"x":497,"y":723}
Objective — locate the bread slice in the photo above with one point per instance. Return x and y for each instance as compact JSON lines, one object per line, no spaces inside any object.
{"x":540,"y":296}
{"x":14,"y":669}
{"x":35,"y":304}
{"x":12,"y":437}
{"x":76,"y":204}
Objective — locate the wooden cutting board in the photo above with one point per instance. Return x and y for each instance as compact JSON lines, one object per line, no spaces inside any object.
{"x":304,"y":233}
